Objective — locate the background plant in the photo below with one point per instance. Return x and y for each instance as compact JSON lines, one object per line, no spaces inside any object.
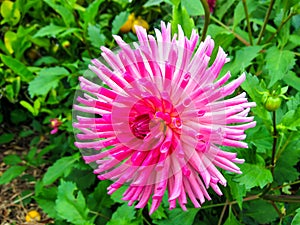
{"x":46,"y":45}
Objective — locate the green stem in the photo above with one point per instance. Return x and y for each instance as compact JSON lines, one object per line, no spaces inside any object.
{"x":274,"y":143}
{"x":248,"y":22}
{"x":206,"y":17}
{"x":285,"y":185}
{"x":283,"y":22}
{"x":231,"y":31}
{"x":281,"y":150}
{"x":261,"y":33}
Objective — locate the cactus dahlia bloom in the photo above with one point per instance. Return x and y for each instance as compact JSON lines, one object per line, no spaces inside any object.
{"x":157,"y":121}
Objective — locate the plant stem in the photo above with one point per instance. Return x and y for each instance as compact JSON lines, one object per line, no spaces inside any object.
{"x":281,"y":150}
{"x":250,"y":198}
{"x":206,"y":17}
{"x":285,"y":185}
{"x":274,"y":143}
{"x":248,"y":22}
{"x":282,"y":198}
{"x":283,"y":22}
{"x":231,"y":31}
{"x":265,"y":21}
{"x":223,"y":212}
{"x":24,"y":197}
{"x":277,"y":210}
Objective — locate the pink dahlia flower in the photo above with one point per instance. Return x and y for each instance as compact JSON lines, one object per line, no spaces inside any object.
{"x":157,"y":121}
{"x":55,"y":124}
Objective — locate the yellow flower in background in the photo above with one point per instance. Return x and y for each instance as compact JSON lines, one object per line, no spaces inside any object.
{"x":33,"y":216}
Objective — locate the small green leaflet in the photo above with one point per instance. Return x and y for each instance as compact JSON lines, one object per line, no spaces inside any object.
{"x":60,"y":167}
{"x":123,"y":216}
{"x":50,"y":30}
{"x":47,"y":79}
{"x":238,"y":191}
{"x":18,"y":67}
{"x":72,"y":207}
{"x":254,"y":175}
{"x":292,"y":79}
{"x":118,"y":22}
{"x":11,"y":173}
{"x":296,"y":220}
{"x":96,"y":37}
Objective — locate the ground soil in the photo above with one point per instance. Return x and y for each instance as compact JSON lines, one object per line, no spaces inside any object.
{"x":16,"y":197}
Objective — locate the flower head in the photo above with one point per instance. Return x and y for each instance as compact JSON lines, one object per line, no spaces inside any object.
{"x":55,"y":123}
{"x":159,"y":121}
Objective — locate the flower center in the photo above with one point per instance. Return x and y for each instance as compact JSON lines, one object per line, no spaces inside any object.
{"x":140,"y":126}
{"x":147,"y":116}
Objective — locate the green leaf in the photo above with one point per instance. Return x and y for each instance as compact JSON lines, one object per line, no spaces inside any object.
{"x":96,"y":37}
{"x":91,"y":12}
{"x":292,"y":79}
{"x":6,"y":138}
{"x":254,"y":176}
{"x":11,"y":173}
{"x":72,"y":207}
{"x":177,"y":216}
{"x":278,"y":63}
{"x":18,"y":67}
{"x":46,"y":60}
{"x":243,"y":59}
{"x":99,"y":199}
{"x":12,"y":159}
{"x":294,"y":102}
{"x":291,"y":120}
{"x":60,"y":167}
{"x":123,"y":216}
{"x":119,"y":21}
{"x":46,"y":200}
{"x":29,"y":107}
{"x":193,"y":7}
{"x":158,"y":214}
{"x":263,"y":141}
{"x":153,"y":3}
{"x":181,"y":17}
{"x":285,"y":170}
{"x":296,"y":219}
{"x":237,"y":190}
{"x":262,"y":211}
{"x":50,"y":30}
{"x":64,"y":12}
{"x":47,"y":79}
